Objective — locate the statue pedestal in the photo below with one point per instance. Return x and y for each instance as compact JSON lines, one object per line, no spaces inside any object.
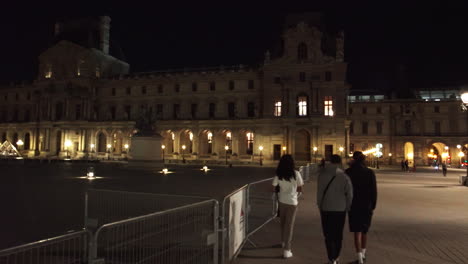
{"x":145,"y":152}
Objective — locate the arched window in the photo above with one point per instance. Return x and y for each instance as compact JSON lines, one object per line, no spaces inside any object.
{"x":27,"y":141}
{"x":302,"y":51}
{"x":302,"y":105}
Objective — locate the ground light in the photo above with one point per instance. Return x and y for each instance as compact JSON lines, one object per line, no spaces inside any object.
{"x":90,"y":174}
{"x":165,"y":171}
{"x":205,"y":169}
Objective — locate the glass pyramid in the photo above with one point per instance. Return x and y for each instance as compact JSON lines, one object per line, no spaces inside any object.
{"x":7,"y":150}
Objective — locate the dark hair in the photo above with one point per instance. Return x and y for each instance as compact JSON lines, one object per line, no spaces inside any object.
{"x":359,"y":157}
{"x":285,"y":169}
{"x":335,"y":159}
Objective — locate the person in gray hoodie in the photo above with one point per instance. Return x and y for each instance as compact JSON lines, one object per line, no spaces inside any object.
{"x":334,"y":198}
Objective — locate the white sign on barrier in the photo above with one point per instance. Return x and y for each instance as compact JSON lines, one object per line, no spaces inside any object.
{"x":236,"y":222}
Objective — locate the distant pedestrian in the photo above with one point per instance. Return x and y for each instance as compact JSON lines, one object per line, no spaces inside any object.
{"x":403,"y":167}
{"x":406,"y":166}
{"x":444,"y":169}
{"x":290,"y":186}
{"x":364,"y":202}
{"x":334,"y":197}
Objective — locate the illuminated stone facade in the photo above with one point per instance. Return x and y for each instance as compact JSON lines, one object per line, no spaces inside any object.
{"x":432,"y":127}
{"x":85,"y":104}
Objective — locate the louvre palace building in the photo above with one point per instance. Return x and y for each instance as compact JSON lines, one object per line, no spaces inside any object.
{"x":85,"y":103}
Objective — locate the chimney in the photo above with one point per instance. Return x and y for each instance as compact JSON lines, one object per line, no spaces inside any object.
{"x":104,"y":30}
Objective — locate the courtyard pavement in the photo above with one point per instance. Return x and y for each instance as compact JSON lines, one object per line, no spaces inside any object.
{"x":421,"y":217}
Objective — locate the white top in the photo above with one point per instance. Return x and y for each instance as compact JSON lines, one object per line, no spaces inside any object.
{"x":288,"y":189}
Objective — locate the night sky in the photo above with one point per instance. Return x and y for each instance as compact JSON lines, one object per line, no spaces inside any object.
{"x":429,"y":39}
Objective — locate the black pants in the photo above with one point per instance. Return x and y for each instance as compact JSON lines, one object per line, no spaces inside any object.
{"x":332,"y":226}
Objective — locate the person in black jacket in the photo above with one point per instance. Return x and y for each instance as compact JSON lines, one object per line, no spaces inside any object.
{"x":364,"y":202}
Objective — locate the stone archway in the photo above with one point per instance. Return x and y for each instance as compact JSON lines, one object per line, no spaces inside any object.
{"x":205,"y":146}
{"x":27,"y":141}
{"x":302,"y":145}
{"x":117,"y":140}
{"x":186,"y":139}
{"x":58,"y":142}
{"x":246,"y":142}
{"x":409,"y":153}
{"x":102,"y":142}
{"x":15,"y":139}
{"x":224,"y":138}
{"x":440,"y":152}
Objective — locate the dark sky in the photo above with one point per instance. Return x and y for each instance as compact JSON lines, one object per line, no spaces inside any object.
{"x":429,"y":38}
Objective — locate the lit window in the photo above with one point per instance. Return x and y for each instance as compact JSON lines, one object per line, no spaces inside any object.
{"x":302,"y":105}
{"x":191,"y":136}
{"x":173,"y":135}
{"x":228,"y":135}
{"x":328,"y":106}
{"x":278,"y":108}
{"x":210,"y":137}
{"x":250,"y":142}
{"x":48,"y":73}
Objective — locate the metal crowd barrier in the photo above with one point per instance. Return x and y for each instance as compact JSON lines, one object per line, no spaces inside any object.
{"x":232,"y":229}
{"x":261,"y":207}
{"x":156,"y":228}
{"x":187,"y":234}
{"x":245,"y":211}
{"x":66,"y":249}
{"x":106,"y":206}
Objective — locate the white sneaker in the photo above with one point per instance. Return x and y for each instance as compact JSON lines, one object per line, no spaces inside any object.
{"x":360,"y":258}
{"x":287,"y":254}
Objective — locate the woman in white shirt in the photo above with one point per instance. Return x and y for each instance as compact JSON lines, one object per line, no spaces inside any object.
{"x":290,"y":185}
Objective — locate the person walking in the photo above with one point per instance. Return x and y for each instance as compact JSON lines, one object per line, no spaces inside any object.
{"x":444,"y":169}
{"x":406,"y":166}
{"x":364,"y":202}
{"x":403,"y":167}
{"x":334,"y":197}
{"x":290,"y":187}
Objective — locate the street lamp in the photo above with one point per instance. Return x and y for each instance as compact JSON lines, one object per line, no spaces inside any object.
{"x":126,"y":146}
{"x":315,"y":154}
{"x":284,"y":150}
{"x":390,"y":158}
{"x":68,"y":144}
{"x":341,"y":149}
{"x":378,"y":153}
{"x":163,"y":147}
{"x":261,"y":157}
{"x":183,"y":150}
{"x":109,"y":146}
{"x":226,"y":148}
{"x":20,"y":144}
